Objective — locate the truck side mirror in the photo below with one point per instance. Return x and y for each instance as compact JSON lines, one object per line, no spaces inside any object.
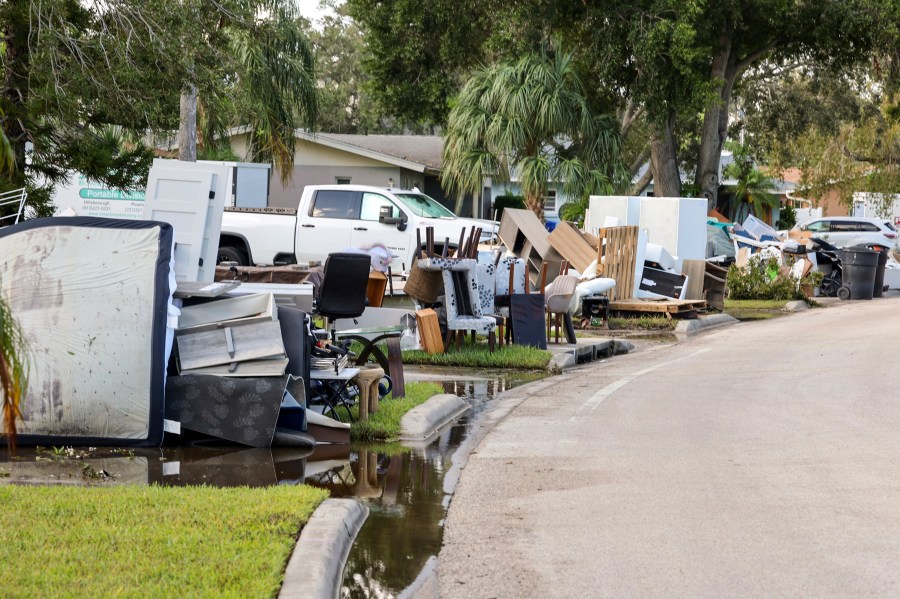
{"x":386,"y":217}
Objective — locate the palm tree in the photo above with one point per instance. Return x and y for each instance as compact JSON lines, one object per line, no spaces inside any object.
{"x":752,"y":188}
{"x":271,"y":91}
{"x":530,"y":117}
{"x":13,"y":372}
{"x":277,"y":86}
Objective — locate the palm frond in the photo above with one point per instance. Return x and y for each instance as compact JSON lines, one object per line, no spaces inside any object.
{"x":13,"y":372}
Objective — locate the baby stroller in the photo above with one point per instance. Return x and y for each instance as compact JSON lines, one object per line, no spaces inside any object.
{"x":833,"y":283}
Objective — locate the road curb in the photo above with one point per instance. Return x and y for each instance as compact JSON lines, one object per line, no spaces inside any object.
{"x":317,"y":563}
{"x":692,"y":327}
{"x":425,"y":420}
{"x":581,"y":354}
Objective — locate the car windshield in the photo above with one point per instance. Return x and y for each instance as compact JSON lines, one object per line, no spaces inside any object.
{"x":422,"y":205}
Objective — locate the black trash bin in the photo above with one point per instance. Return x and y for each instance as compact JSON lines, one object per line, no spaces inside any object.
{"x":879,"y":272}
{"x":859,"y":266}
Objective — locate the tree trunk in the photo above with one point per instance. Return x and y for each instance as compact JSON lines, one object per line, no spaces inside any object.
{"x":187,"y":131}
{"x":638,"y":187}
{"x":664,"y":161}
{"x":715,"y":123}
{"x":536,"y":205}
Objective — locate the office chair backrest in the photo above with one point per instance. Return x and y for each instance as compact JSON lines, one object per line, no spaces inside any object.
{"x":343,"y":290}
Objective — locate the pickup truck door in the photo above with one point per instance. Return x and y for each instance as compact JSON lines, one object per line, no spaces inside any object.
{"x":368,"y":231}
{"x":325,"y":225}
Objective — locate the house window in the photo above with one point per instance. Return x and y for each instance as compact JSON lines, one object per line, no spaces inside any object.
{"x":342,"y":180}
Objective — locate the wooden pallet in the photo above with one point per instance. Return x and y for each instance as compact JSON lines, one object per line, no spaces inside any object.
{"x":616,"y":257}
{"x":654,"y":306}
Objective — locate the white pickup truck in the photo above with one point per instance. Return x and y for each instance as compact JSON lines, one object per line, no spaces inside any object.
{"x":331,"y":218}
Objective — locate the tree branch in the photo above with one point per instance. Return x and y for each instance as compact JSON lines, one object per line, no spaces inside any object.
{"x":641,"y":184}
{"x":743,"y":64}
{"x":641,"y":159}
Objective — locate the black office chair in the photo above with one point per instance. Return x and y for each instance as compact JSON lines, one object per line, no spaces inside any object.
{"x":342,"y":293}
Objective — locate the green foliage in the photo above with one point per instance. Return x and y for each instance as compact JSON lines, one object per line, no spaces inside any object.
{"x":384,"y":425}
{"x":752,"y":188}
{"x":345,"y":102}
{"x":530,"y":116}
{"x":761,"y":280}
{"x":273,"y":90}
{"x":642,"y":323}
{"x":508,"y":201}
{"x":417,"y":52}
{"x":787,"y":218}
{"x":14,"y":367}
{"x":73,"y":70}
{"x":479,"y":356}
{"x":153,"y":541}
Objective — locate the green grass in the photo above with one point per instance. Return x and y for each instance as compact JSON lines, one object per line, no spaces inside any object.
{"x":478,"y":356}
{"x":642,"y":323}
{"x":384,"y":425}
{"x":749,"y":310}
{"x":731,"y":304}
{"x":151,"y":541}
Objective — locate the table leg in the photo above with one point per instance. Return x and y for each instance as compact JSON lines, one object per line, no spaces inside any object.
{"x":395,"y":367}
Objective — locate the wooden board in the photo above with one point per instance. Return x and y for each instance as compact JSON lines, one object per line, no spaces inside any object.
{"x":375,"y":288}
{"x":571,"y":245}
{"x":656,"y":306}
{"x":616,"y":258}
{"x":695,"y":271}
{"x":429,"y":331}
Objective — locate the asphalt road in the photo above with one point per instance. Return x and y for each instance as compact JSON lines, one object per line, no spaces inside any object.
{"x":759,"y":460}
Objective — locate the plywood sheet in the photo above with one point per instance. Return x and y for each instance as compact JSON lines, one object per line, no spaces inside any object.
{"x":571,"y":245}
{"x":695,"y":271}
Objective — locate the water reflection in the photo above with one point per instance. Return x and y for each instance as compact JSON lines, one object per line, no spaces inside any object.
{"x":404,"y":487}
{"x":407,"y":497}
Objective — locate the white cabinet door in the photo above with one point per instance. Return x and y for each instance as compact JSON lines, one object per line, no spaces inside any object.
{"x":191,"y":197}
{"x":182,"y":198}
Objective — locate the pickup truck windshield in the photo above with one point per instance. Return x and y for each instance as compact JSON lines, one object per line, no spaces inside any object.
{"x":422,"y":205}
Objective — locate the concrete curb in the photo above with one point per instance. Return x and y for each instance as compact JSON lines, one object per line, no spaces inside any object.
{"x":425,"y":420}
{"x":692,"y":327}
{"x":582,"y":354}
{"x":317,"y":563}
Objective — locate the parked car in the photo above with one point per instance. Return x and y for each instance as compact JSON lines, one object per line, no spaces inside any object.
{"x":846,"y":231}
{"x":330,"y":218}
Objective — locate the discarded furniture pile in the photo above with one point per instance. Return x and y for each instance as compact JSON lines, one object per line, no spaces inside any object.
{"x":133,"y":343}
{"x":858,"y":272}
{"x":463,"y":290}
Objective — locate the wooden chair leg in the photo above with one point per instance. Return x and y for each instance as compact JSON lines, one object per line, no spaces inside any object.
{"x":448,"y":340}
{"x":549,"y":316}
{"x":558,"y":325}
{"x":459,"y":338}
{"x":472,"y":337}
{"x":491,"y":341}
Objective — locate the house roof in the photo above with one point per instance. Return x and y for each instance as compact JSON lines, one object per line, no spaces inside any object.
{"x":416,"y":152}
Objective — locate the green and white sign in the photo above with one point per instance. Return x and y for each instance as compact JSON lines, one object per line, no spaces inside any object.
{"x":85,"y":197}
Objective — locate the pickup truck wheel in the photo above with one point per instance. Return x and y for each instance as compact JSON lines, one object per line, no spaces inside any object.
{"x":232,"y":254}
